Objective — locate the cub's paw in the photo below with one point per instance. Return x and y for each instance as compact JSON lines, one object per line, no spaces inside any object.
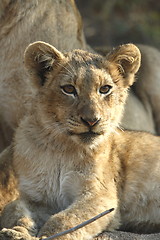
{"x":27,"y":225}
{"x":18,"y":233}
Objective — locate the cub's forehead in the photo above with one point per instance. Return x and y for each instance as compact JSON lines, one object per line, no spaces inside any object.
{"x":93,"y":76}
{"x":80,"y":57}
{"x":88,"y":67}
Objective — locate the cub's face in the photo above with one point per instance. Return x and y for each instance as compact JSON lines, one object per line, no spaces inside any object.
{"x":79,"y":94}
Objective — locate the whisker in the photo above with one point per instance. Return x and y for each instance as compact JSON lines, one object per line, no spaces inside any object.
{"x":74,"y":125}
{"x":120,"y":128}
{"x":65,"y":69}
{"x":113,"y":128}
{"x":72,"y":68}
{"x":72,"y":119}
{"x":64,"y":74}
{"x":56,"y":128}
{"x":73,"y":122}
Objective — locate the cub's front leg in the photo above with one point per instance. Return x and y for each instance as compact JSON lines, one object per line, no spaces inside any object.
{"x":84,"y":208}
{"x":17,"y":221}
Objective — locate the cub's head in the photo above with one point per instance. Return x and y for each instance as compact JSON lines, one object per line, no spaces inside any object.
{"x":80,"y":95}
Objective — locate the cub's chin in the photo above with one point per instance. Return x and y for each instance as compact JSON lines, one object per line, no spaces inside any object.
{"x":86,"y":137}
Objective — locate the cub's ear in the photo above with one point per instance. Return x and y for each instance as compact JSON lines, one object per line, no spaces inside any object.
{"x":39,"y":59}
{"x":124,"y":62}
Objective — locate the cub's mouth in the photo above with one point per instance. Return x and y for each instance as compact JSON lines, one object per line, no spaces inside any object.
{"x":87,"y":137}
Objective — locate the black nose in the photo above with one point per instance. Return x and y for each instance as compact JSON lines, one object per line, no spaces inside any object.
{"x":90,"y":122}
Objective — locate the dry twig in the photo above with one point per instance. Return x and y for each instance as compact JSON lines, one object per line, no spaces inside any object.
{"x":80,"y":225}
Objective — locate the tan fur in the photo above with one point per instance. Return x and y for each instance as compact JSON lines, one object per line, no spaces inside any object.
{"x":59,"y":23}
{"x":142,"y":105}
{"x":22,"y":22}
{"x":8,"y":184}
{"x":71,"y":158}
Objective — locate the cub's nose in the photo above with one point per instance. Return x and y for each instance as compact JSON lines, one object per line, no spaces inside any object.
{"x":90,"y":122}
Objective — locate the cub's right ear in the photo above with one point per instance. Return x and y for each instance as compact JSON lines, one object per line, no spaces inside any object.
{"x":39,"y":59}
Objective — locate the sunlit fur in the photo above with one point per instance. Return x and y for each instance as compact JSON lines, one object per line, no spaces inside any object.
{"x":72,"y":159}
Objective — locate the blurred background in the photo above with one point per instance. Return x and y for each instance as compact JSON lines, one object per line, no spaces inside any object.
{"x":113,"y":22}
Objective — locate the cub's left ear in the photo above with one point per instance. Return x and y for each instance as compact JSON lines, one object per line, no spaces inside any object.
{"x":39,"y":59}
{"x":124,"y":62}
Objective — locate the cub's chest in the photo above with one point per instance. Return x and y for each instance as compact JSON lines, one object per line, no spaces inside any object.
{"x":52,"y":181}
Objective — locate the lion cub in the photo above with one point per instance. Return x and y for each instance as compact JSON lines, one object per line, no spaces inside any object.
{"x":70,"y":156}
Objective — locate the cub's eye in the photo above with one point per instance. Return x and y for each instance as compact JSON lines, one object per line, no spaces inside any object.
{"x":105,"y":89}
{"x":69,"y":89}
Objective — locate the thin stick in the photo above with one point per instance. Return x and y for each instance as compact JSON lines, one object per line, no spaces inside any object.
{"x":80,"y":225}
